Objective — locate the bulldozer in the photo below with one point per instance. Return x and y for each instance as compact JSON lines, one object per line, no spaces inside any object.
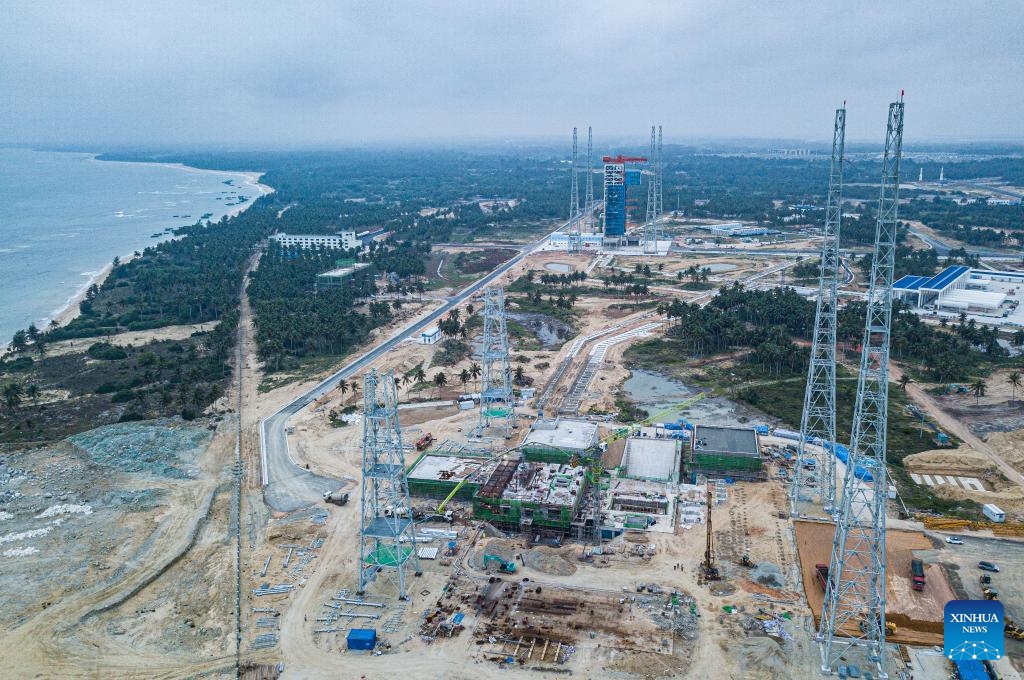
{"x":990,"y":593}
{"x":890,"y":627}
{"x":1012,"y":630}
{"x":745,"y":561}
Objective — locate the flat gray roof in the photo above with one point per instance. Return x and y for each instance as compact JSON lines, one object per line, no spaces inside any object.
{"x":567,"y":435}
{"x":651,"y":458}
{"x":735,"y":441}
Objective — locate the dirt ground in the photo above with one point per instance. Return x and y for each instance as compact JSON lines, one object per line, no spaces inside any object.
{"x":917,"y":615}
{"x":966,"y":462}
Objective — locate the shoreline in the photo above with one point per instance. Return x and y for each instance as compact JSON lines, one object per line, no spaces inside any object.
{"x":70,"y":310}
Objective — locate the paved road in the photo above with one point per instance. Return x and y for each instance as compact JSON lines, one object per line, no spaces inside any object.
{"x":286,"y":486}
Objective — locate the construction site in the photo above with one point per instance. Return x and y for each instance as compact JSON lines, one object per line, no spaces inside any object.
{"x":513,"y":519}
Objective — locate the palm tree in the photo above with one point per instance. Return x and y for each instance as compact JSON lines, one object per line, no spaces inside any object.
{"x":343,"y":387}
{"x":464,"y":377}
{"x":978,"y":390}
{"x":419,"y":375}
{"x":32,"y":392}
{"x":519,"y":374}
{"x":904,"y":381}
{"x":476,"y":371}
{"x":1014,"y":380}
{"x":12,"y":396}
{"x":440,"y":380}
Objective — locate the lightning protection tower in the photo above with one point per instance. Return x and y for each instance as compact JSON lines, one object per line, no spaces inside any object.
{"x":497,"y":403}
{"x":819,"y":415}
{"x":588,"y":203}
{"x":386,"y":532}
{"x":650,"y":244}
{"x":575,"y":238}
{"x":854,"y":608}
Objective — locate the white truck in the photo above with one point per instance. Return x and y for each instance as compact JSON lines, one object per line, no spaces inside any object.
{"x":993,"y":512}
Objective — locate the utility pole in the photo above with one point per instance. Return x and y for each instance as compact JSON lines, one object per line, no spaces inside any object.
{"x":387,"y":534}
{"x":818,"y":422}
{"x":854,"y":608}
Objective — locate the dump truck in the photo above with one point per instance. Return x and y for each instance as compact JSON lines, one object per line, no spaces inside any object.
{"x":425,"y":441}
{"x":917,"y":573}
{"x":990,"y":593}
{"x":338,"y":497}
{"x":821,"y":572}
{"x":985,"y":579}
{"x":506,"y":567}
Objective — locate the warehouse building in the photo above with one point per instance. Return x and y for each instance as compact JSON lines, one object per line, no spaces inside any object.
{"x":954,"y":288}
{"x":726,"y":452}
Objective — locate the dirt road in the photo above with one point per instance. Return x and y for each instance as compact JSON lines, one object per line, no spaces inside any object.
{"x":954,"y":426}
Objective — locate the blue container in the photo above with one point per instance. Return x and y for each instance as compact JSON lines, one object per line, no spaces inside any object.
{"x":672,"y":426}
{"x":362,"y":638}
{"x":761,"y":429}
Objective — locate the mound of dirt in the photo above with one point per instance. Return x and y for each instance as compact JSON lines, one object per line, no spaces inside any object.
{"x":1009,"y":445}
{"x":549,"y":561}
{"x":962,"y":461}
{"x":761,"y":654}
{"x":1010,"y":499}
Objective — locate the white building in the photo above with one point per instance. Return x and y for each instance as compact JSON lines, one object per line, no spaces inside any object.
{"x":430,"y":336}
{"x":343,"y":240}
{"x":956,"y":288}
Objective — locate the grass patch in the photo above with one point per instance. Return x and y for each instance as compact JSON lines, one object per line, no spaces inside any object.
{"x":784,"y":400}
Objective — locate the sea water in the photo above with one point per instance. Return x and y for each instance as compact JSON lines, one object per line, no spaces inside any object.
{"x":65,"y":216}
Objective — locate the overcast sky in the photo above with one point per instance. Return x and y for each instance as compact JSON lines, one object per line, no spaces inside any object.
{"x":281,"y":73}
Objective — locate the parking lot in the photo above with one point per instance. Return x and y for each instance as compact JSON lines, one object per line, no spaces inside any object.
{"x":961,"y":562}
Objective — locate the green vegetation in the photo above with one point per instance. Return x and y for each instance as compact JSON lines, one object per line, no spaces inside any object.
{"x":905,"y":435}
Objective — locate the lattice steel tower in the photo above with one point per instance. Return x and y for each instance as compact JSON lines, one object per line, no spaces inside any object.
{"x":854,"y":609}
{"x":659,"y":176}
{"x":497,"y":403}
{"x":575,"y":239}
{"x":386,"y":531}
{"x":588,"y":203}
{"x":819,"y":415}
{"x":650,"y":244}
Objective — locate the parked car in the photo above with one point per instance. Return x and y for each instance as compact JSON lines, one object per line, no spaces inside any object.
{"x":954,"y":540}
{"x":987,"y":566}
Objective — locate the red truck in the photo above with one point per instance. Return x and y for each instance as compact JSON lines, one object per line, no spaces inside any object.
{"x":821,"y":571}
{"x":917,"y":570}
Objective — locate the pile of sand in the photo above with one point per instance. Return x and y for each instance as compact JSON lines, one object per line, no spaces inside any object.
{"x":963,"y":461}
{"x":549,"y":561}
{"x":761,"y":655}
{"x":1010,"y":446}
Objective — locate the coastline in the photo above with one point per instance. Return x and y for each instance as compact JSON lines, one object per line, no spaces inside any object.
{"x":70,"y":309}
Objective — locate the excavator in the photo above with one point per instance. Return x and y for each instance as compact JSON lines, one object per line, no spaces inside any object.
{"x":503,"y":566}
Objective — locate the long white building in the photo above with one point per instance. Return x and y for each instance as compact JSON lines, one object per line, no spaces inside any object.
{"x":343,"y":240}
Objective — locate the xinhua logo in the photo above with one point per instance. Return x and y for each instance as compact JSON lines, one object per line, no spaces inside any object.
{"x":973,"y":629}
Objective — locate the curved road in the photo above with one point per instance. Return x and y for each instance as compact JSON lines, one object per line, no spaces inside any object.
{"x":288,"y":487}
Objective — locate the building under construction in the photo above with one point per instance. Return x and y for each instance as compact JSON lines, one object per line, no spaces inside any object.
{"x":720,"y":452}
{"x":534,"y":497}
{"x":437,"y":476}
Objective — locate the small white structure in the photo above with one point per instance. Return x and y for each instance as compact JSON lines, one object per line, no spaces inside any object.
{"x":430,"y":336}
{"x":343,"y":240}
{"x":993,"y":512}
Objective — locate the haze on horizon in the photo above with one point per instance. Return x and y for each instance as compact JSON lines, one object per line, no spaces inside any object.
{"x":316,"y":73}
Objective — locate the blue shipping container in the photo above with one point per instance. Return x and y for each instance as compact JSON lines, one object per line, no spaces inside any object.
{"x":362,"y":638}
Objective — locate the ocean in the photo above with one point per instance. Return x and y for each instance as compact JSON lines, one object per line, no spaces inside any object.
{"x":65,"y":216}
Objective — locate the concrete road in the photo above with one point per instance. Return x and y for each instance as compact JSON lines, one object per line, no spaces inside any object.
{"x":287,"y":486}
